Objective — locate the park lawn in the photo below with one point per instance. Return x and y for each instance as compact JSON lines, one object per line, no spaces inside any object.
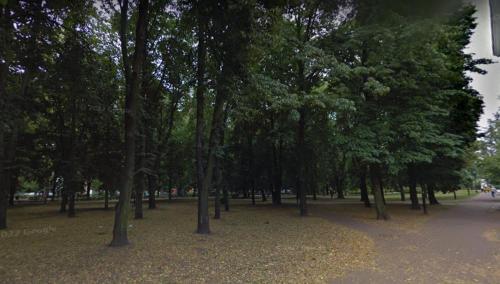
{"x":250,"y":244}
{"x":461,"y":195}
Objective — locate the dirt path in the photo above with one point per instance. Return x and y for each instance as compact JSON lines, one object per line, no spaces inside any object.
{"x":458,"y":245}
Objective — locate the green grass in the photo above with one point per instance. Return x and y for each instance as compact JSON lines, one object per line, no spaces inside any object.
{"x":461,"y":195}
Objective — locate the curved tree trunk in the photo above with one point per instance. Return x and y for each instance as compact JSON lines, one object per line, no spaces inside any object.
{"x":432,"y":197}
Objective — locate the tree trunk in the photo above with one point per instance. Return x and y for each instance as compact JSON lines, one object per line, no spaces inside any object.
{"x":226,"y":199}
{"x":71,"y":204}
{"x":13,"y":187}
{"x":88,"y":183}
{"x":454,"y":194}
{"x":253,"y":192}
{"x":382,"y":190}
{"x":301,"y":192}
{"x":402,"y":192}
{"x":138,"y":212}
{"x":3,"y":209}
{"x":377,"y":192}
{"x":54,"y":187}
{"x":263,"y":194}
{"x":340,"y":188}
{"x":413,"y":189}
{"x":64,"y":200}
{"x":152,"y":188}
{"x":203,"y":218}
{"x":218,"y":184}
{"x":3,"y":181}
{"x":363,"y":188}
{"x":277,"y":174}
{"x":432,"y":197}
{"x":424,"y":203}
{"x":106,"y":198}
{"x":120,"y":235}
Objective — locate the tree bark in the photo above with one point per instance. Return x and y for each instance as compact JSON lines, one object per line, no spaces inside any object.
{"x":203,"y":218}
{"x":432,"y":197}
{"x":340,"y":187}
{"x":226,"y":199}
{"x":106,"y":198}
{"x":413,"y":188}
{"x":402,"y":192}
{"x":424,"y":203}
{"x":64,"y":200}
{"x":277,"y":173}
{"x":152,"y":188}
{"x":88,"y":183}
{"x":363,"y":188}
{"x":71,"y":204}
{"x":263,"y":194}
{"x":120,"y":235}
{"x":3,"y":181}
{"x":301,"y":160}
{"x":377,"y":192}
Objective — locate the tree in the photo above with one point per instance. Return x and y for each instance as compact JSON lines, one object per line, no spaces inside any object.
{"x":133,"y":83}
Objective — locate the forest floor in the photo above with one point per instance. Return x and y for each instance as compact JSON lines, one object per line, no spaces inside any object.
{"x":340,"y":242}
{"x":249,"y":244}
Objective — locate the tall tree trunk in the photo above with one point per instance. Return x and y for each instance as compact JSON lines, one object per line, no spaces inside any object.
{"x":140,"y":178}
{"x":263,"y":194}
{"x":218,"y":184}
{"x":203,"y":218}
{"x":413,"y":188}
{"x":64,"y":200}
{"x":120,"y":235}
{"x":88,"y":183}
{"x":253,"y":192}
{"x":402,"y":192}
{"x":54,"y":186}
{"x":71,"y":203}
{"x":106,"y":198}
{"x":13,"y":186}
{"x":424,"y":203}
{"x":377,"y":192}
{"x":225,"y":193}
{"x":5,"y":27}
{"x":363,"y":188}
{"x":432,"y":197}
{"x":3,"y":180}
{"x":382,"y":190}
{"x":340,"y":187}
{"x":301,"y":192}
{"x":277,"y":173}
{"x":138,"y":212}
{"x":152,"y":188}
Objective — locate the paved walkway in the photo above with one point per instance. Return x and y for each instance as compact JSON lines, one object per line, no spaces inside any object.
{"x":459,"y":245}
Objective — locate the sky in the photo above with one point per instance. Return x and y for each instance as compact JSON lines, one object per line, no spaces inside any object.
{"x":487,"y":85}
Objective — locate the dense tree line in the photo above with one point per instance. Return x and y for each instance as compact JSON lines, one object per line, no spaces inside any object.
{"x":235,"y":98}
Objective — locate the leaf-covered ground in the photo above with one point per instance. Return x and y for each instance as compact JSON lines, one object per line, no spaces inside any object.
{"x":258,"y":244}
